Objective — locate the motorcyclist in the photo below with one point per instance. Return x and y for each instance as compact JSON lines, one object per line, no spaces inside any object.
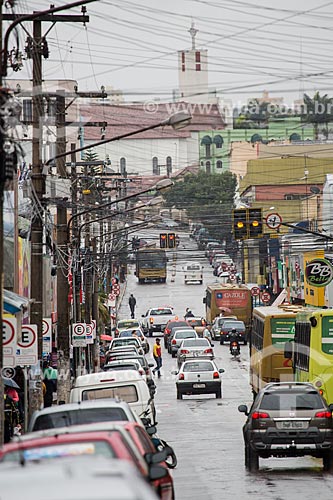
{"x":188,"y":313}
{"x":233,"y":337}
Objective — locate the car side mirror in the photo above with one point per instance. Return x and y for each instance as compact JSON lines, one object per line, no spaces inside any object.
{"x":243,"y":409}
{"x":221,"y":370}
{"x":288,"y":350}
{"x":174,"y":372}
{"x":157,"y":472}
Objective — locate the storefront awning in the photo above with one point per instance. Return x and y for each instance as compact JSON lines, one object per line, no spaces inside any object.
{"x":14,"y":303}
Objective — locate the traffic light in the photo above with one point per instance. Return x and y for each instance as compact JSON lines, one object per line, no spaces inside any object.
{"x":255,"y":226}
{"x":171,"y":240}
{"x":163,"y":240}
{"x":239,"y":223}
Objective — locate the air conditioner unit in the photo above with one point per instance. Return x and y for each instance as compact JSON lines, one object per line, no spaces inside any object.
{"x":57,"y":188}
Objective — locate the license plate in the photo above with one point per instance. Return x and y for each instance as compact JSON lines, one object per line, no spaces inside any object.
{"x":292,"y":424}
{"x":197,"y":353}
{"x":199,"y":386}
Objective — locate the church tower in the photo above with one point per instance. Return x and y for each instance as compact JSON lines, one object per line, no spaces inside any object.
{"x":193,"y":73}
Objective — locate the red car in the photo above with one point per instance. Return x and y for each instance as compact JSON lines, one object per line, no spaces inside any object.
{"x":114,"y":443}
{"x":171,"y":324}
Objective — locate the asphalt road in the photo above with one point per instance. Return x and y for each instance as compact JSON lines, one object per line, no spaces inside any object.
{"x":207,"y":433}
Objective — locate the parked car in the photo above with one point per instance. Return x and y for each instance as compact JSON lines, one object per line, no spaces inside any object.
{"x":130,"y":357}
{"x":79,"y":477}
{"x":122,"y":364}
{"x":175,"y":329}
{"x":288,"y":419}
{"x":85,"y":412}
{"x":218,"y":325}
{"x":168,"y":327}
{"x":123,"y":342}
{"x":198,"y":323}
{"x":198,"y":376}
{"x":239,"y":326}
{"x":177,"y":338}
{"x":126,"y":324}
{"x":127,"y":385}
{"x":139,"y":333}
{"x":194,"y":348}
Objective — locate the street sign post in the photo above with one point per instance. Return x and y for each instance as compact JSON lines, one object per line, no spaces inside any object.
{"x":27,"y":348}
{"x":79,"y":335}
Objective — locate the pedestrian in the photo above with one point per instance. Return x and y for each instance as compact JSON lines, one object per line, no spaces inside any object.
{"x":157,"y":353}
{"x":50,"y":381}
{"x":207,"y":335}
{"x":132,"y":304}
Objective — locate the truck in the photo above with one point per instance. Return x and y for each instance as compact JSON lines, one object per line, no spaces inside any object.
{"x":229,"y":299}
{"x":156,"y":318}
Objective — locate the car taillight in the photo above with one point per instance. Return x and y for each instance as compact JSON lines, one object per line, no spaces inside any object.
{"x":224,"y":333}
{"x":141,"y":371}
{"x":173,"y":342}
{"x":151,"y":320}
{"x":323,"y":414}
{"x":216,"y":375}
{"x":167,"y":331}
{"x":184,"y":351}
{"x":259,"y":414}
{"x":208,"y":351}
{"x":181,"y":376}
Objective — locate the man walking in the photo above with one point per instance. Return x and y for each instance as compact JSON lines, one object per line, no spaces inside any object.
{"x":157,"y":353}
{"x":132,"y":304}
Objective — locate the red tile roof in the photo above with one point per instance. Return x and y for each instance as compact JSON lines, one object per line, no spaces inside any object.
{"x":129,"y":118}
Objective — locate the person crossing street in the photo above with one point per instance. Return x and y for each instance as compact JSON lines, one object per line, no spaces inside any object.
{"x":157,"y":354}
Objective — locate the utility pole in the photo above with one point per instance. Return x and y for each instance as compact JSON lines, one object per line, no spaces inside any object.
{"x":1,"y":249}
{"x":63,"y":341}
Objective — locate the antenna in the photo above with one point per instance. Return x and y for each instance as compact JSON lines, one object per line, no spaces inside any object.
{"x":193,"y":31}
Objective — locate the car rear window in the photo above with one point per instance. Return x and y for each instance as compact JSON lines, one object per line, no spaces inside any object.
{"x":124,"y":342}
{"x":185,"y":335}
{"x":193,"y":267}
{"x":204,"y":366}
{"x":78,"y":417}
{"x":100,"y":448}
{"x":128,"y":366}
{"x":291,"y":401}
{"x":174,"y":324}
{"x":160,"y":311}
{"x":234,"y":324}
{"x":126,"y":393}
{"x":128,"y":324}
{"x":196,"y":343}
{"x":195,"y":322}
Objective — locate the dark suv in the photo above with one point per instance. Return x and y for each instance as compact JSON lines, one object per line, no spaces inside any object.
{"x":288,"y":419}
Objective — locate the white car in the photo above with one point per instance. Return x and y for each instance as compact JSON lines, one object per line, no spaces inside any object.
{"x":126,"y":324}
{"x":193,"y":272}
{"x":199,"y":376}
{"x":123,"y":342}
{"x":194,"y":348}
{"x":136,"y":332}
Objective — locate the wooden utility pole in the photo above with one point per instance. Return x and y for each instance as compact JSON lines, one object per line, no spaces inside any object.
{"x":1,"y":251}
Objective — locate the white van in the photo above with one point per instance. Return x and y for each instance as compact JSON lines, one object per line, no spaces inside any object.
{"x":126,"y":385}
{"x":193,"y":272}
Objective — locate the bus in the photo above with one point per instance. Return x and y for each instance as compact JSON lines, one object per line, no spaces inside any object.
{"x":151,"y":265}
{"x":272,"y":327}
{"x":312,"y":350}
{"x":228,"y":299}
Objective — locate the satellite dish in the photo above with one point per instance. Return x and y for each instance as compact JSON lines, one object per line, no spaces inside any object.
{"x":314,"y":190}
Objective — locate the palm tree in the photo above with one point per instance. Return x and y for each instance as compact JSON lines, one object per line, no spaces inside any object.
{"x":318,"y":111}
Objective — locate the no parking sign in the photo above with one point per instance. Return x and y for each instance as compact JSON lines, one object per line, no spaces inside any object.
{"x":79,"y":335}
{"x":27,"y":348}
{"x":9,"y":329}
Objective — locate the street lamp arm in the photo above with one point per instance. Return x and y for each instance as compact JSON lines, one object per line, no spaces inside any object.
{"x":31,"y":17}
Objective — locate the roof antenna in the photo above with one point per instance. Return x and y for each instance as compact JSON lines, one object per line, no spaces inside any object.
{"x":193,"y":31}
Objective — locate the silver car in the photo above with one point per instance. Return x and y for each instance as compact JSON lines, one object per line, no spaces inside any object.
{"x":194,"y":348}
{"x":199,"y":376}
{"x":178,"y":337}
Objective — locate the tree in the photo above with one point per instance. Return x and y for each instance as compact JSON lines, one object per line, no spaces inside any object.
{"x":318,"y":111}
{"x":207,"y":199}
{"x":254,"y":115}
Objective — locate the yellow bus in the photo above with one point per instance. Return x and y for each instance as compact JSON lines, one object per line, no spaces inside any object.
{"x":312,"y":350}
{"x":151,"y":265}
{"x":272,"y":326}
{"x":228,"y":299}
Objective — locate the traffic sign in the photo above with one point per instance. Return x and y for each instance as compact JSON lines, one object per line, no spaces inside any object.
{"x":255,"y":291}
{"x":265,"y":297}
{"x":47,"y":335}
{"x":79,"y":335}
{"x":27,"y":348}
{"x":273,"y":221}
{"x":9,"y":329}
{"x":89,"y":334}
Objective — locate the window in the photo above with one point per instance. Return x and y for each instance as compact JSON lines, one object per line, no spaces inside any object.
{"x":156,"y":168}
{"x":208,"y":167}
{"x":183,"y":61}
{"x":123,"y":166}
{"x":145,"y":440}
{"x":219,"y":164}
{"x":208,"y":150}
{"x":218,"y":141}
{"x":169,"y":165}
{"x":197,"y":61}
{"x":257,"y":334}
{"x":127,"y":393}
{"x":295,"y":137}
{"x":256,"y":138}
{"x":302,"y":345}
{"x":27,"y":110}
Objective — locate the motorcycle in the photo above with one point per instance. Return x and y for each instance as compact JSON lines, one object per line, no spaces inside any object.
{"x":234,"y":348}
{"x":160,"y":444}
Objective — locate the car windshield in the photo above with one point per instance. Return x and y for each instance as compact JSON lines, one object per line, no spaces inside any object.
{"x":78,"y":417}
{"x":234,"y":324}
{"x":185,"y":335}
{"x":101,"y":448}
{"x":161,"y":311}
{"x":196,"y":343}
{"x":203,"y":366}
{"x":291,"y":401}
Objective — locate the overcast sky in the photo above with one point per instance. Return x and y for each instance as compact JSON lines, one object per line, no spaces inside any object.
{"x":284,"y":47}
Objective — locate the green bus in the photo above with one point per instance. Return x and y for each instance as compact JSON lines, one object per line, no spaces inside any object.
{"x":151,"y":265}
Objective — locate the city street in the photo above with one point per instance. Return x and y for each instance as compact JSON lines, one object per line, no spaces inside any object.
{"x":207,"y":433}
